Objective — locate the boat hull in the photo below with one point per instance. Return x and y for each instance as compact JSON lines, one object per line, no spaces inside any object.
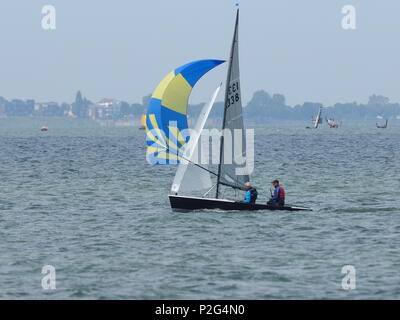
{"x":183,"y":203}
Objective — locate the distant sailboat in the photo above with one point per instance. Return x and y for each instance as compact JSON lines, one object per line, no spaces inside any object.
{"x":192,"y":176}
{"x":332,"y":123}
{"x":383,"y":126}
{"x":317,"y":120}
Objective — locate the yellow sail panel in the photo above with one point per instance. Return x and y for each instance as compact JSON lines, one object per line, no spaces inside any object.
{"x":177,"y":96}
{"x":163,"y":85}
{"x":169,"y":156}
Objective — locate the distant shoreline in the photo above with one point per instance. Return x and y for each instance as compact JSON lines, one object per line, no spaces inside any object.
{"x":250,"y":123}
{"x":262,"y":108}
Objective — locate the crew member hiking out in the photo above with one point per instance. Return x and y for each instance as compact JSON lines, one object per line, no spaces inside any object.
{"x":251,"y":193}
{"x":278,"y":199}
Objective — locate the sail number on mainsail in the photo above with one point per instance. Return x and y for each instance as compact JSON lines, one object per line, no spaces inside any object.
{"x":233,"y":94}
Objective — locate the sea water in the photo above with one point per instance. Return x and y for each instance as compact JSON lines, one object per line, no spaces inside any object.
{"x":82,"y":199}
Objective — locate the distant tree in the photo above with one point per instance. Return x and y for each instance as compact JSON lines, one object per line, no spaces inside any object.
{"x":65,"y":108}
{"x":77,"y":105}
{"x":263,"y":107}
{"x":145,"y":101}
{"x":53,"y":110}
{"x":85,"y":108}
{"x":138,"y":109}
{"x":306,"y":111}
{"x":2,"y":105}
{"x":125,"y":109}
{"x":19,"y":108}
{"x":378,"y":100}
{"x":258,"y":105}
{"x":346,"y":111}
{"x":80,"y":107}
{"x":278,"y":99}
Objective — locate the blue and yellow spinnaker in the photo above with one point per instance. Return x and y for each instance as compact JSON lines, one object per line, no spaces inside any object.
{"x":166,"y":119}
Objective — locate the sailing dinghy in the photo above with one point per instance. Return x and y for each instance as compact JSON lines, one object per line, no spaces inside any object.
{"x":332,"y":123}
{"x":383,"y":126}
{"x":317,"y":120}
{"x":191,"y":176}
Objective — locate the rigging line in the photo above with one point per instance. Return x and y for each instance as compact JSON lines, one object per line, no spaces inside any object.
{"x":196,"y":164}
{"x":229,"y":185}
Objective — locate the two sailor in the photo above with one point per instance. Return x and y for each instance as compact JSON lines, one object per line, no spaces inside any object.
{"x":277,"y":200}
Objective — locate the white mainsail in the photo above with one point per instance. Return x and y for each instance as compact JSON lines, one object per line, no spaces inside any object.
{"x":229,"y":169}
{"x":318,"y":118}
{"x":189,"y":176}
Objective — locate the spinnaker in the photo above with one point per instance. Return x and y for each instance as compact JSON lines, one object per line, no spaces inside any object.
{"x":166,"y":119}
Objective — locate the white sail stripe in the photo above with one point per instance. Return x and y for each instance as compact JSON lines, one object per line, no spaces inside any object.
{"x":190,"y":177}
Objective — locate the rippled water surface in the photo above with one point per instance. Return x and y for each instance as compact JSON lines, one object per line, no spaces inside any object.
{"x":82,"y":198}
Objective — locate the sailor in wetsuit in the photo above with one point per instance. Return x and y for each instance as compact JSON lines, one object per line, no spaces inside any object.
{"x":251,"y":193}
{"x":278,"y":199}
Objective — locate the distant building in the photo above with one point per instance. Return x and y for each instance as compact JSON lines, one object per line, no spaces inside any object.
{"x":92,"y":111}
{"x":48,"y":109}
{"x":2,"y":109}
{"x":107,"y":109}
{"x":107,"y":102}
{"x":70,"y":114}
{"x":43,"y":105}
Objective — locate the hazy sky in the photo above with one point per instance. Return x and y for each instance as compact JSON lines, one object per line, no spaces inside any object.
{"x":123,"y":48}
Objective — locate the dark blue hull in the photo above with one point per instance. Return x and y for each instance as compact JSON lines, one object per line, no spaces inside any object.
{"x":183,"y":203}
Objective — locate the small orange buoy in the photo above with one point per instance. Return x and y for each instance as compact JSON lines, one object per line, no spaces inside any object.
{"x":44,"y":128}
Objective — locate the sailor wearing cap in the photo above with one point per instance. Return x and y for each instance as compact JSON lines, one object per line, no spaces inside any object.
{"x":278,"y":199}
{"x":251,"y":193}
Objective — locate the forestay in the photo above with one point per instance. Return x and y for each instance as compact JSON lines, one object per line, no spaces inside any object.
{"x":189,"y":176}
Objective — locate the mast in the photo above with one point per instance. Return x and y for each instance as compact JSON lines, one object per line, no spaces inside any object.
{"x":317,"y":119}
{"x":228,"y":77}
